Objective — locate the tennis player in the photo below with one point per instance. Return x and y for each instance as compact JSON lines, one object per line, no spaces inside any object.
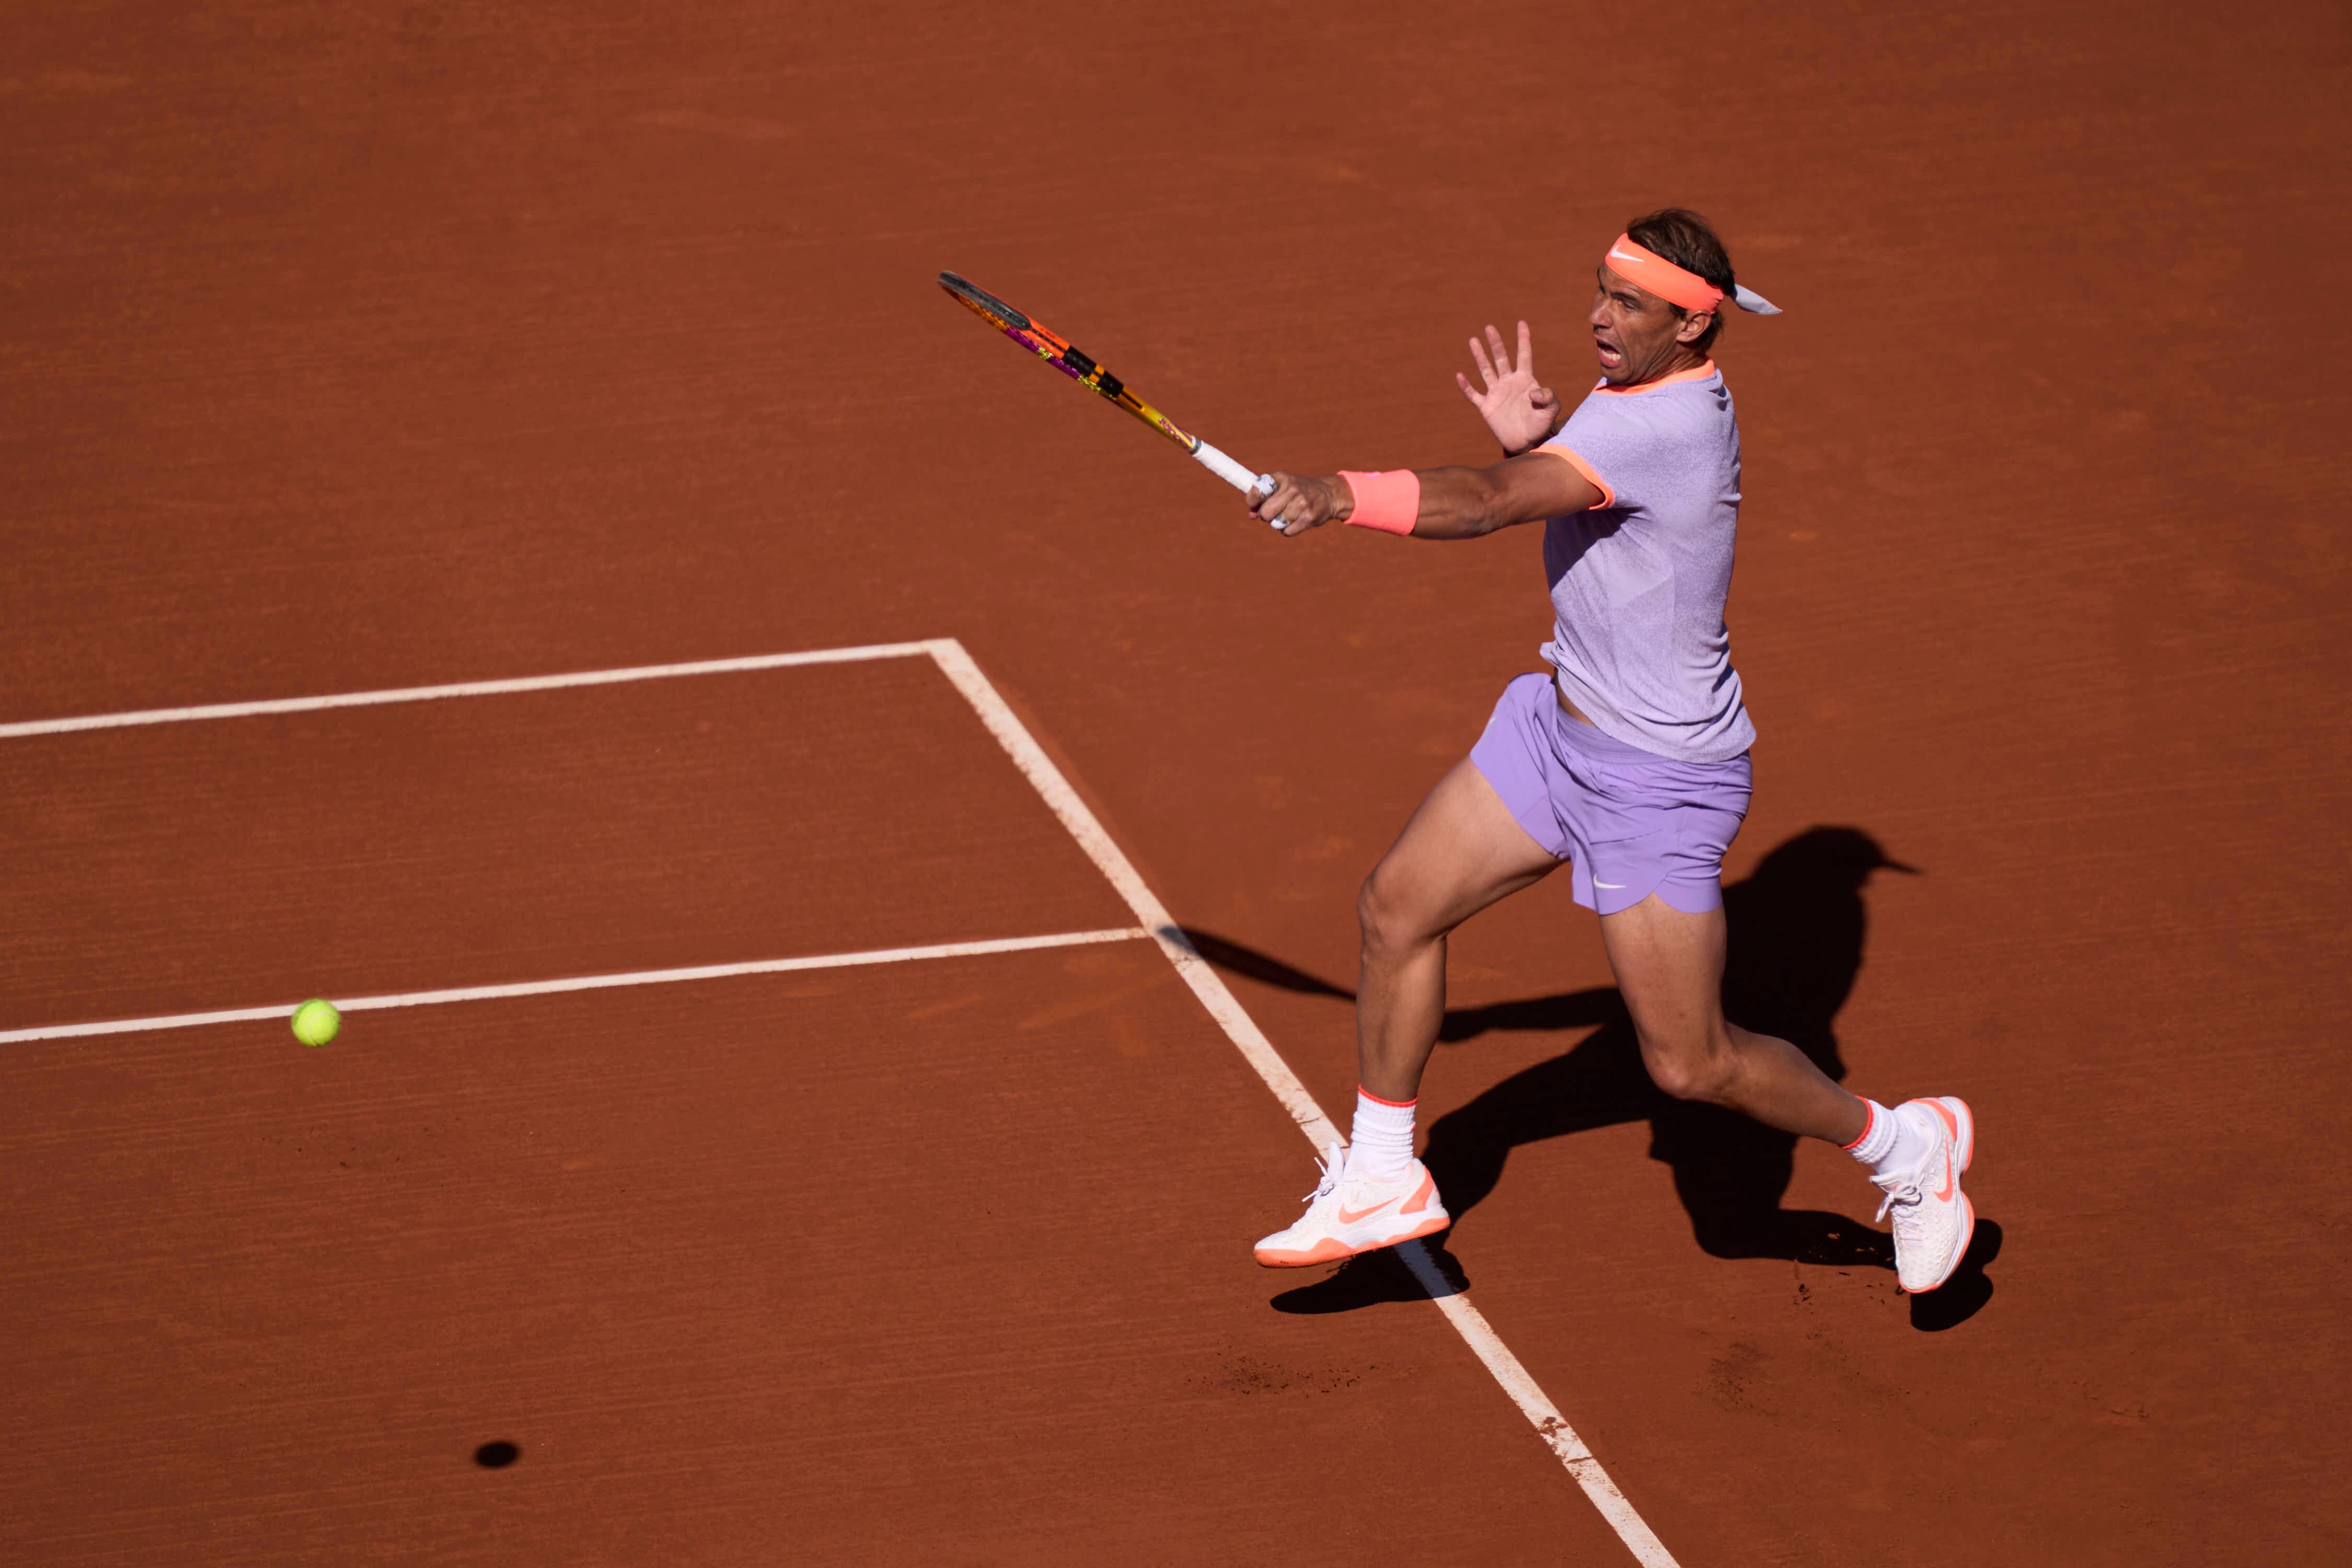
{"x":1627,"y":761}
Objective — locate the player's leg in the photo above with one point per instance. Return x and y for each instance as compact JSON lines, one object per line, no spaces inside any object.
{"x":1669,"y":966}
{"x":1461,"y":851}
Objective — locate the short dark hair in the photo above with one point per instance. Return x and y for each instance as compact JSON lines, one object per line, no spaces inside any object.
{"x":1690,"y":242}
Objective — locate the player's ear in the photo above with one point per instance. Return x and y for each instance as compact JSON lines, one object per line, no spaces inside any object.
{"x":1694,"y":326}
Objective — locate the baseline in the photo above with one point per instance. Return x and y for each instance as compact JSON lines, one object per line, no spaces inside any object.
{"x":1210,"y":987}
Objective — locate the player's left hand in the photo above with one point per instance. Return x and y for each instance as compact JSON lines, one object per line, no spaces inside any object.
{"x":1520,"y":413}
{"x":1298,"y":503}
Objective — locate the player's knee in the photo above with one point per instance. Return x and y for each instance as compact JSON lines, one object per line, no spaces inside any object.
{"x":1388,"y":920}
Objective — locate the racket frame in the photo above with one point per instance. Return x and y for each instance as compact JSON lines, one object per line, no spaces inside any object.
{"x":1083,"y":368}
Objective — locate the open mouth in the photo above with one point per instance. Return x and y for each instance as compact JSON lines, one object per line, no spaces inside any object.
{"x":1610,"y":356}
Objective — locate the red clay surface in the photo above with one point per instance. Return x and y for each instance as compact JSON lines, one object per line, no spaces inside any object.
{"x":354,"y":347}
{"x":487,"y":840}
{"x":741,"y":1284}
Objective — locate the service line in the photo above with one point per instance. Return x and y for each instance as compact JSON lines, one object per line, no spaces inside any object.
{"x":589,"y":983}
{"x":462,"y":689}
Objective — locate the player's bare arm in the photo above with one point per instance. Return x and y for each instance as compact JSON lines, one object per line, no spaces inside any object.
{"x":1638,"y":337}
{"x":1456,"y":502}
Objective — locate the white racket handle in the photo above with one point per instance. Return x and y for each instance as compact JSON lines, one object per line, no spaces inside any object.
{"x":1233,"y":473}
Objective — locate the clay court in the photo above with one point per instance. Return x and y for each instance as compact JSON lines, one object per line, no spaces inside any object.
{"x":838,"y":852}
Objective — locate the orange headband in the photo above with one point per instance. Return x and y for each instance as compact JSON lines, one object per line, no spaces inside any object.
{"x":1676,"y":285}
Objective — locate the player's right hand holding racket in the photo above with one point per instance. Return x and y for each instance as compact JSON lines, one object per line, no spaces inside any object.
{"x":1298,"y":503}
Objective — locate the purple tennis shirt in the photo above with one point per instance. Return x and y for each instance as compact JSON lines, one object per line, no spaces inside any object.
{"x":1638,"y":583}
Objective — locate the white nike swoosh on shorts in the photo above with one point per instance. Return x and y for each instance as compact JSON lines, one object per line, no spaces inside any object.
{"x":1613,"y":887}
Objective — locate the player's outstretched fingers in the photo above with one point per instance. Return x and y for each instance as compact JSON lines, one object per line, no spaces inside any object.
{"x":1502,"y":355}
{"x":1485,"y":367}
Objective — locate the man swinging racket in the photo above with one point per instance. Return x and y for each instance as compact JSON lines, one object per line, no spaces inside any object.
{"x":1628,"y":763}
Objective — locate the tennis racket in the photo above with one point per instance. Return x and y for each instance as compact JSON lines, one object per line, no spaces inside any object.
{"x":1055,"y":350}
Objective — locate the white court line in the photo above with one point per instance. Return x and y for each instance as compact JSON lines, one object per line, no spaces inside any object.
{"x":463,"y":688}
{"x":1210,"y":987}
{"x":590,"y":982}
{"x":1064,"y":801}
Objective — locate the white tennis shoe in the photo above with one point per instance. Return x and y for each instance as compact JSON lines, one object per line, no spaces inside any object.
{"x":1933,"y":1221}
{"x":1349,"y":1214}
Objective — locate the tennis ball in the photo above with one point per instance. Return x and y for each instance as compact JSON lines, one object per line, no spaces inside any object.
{"x":316,"y":1021}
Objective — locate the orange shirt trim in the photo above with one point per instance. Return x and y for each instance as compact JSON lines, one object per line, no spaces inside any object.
{"x":1591,"y":474}
{"x":1697,"y":372}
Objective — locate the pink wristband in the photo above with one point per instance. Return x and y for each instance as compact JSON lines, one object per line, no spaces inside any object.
{"x":1389,"y":502}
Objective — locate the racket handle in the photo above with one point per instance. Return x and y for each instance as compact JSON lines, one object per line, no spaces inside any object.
{"x":1233,"y":473}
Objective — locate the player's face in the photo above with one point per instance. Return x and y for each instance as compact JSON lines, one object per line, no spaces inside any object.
{"x":1636,"y":334}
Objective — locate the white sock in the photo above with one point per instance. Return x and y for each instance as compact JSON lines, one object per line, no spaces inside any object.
{"x":1380,"y":1146}
{"x":1892,"y":1141}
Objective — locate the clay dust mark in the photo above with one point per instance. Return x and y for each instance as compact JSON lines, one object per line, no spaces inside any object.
{"x":1078,"y":1006}
{"x":953,"y":1004}
{"x":64,"y":83}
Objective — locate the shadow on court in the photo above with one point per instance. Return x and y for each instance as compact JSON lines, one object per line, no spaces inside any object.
{"x":1797,"y":932}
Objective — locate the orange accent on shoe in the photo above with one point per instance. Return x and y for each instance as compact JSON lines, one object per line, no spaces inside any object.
{"x":1429,"y":1226}
{"x":1329,"y":1250}
{"x":1951,"y":1137}
{"x":1421,"y":1197}
{"x":1968,"y":1209}
{"x":1969,"y":1155}
{"x":1359,"y":1215}
{"x":1324,"y":1251}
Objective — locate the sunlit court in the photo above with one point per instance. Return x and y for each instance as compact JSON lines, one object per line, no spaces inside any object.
{"x":1591,"y":813}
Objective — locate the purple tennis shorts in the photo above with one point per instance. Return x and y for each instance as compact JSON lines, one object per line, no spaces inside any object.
{"x":1634,"y":823}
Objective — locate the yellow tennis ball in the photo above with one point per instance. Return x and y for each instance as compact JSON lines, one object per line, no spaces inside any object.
{"x":316,"y":1021}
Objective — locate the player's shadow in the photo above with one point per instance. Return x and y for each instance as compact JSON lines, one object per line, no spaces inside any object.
{"x":1797,"y":928}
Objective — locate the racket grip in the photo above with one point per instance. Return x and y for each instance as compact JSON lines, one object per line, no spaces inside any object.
{"x":1233,"y":473}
